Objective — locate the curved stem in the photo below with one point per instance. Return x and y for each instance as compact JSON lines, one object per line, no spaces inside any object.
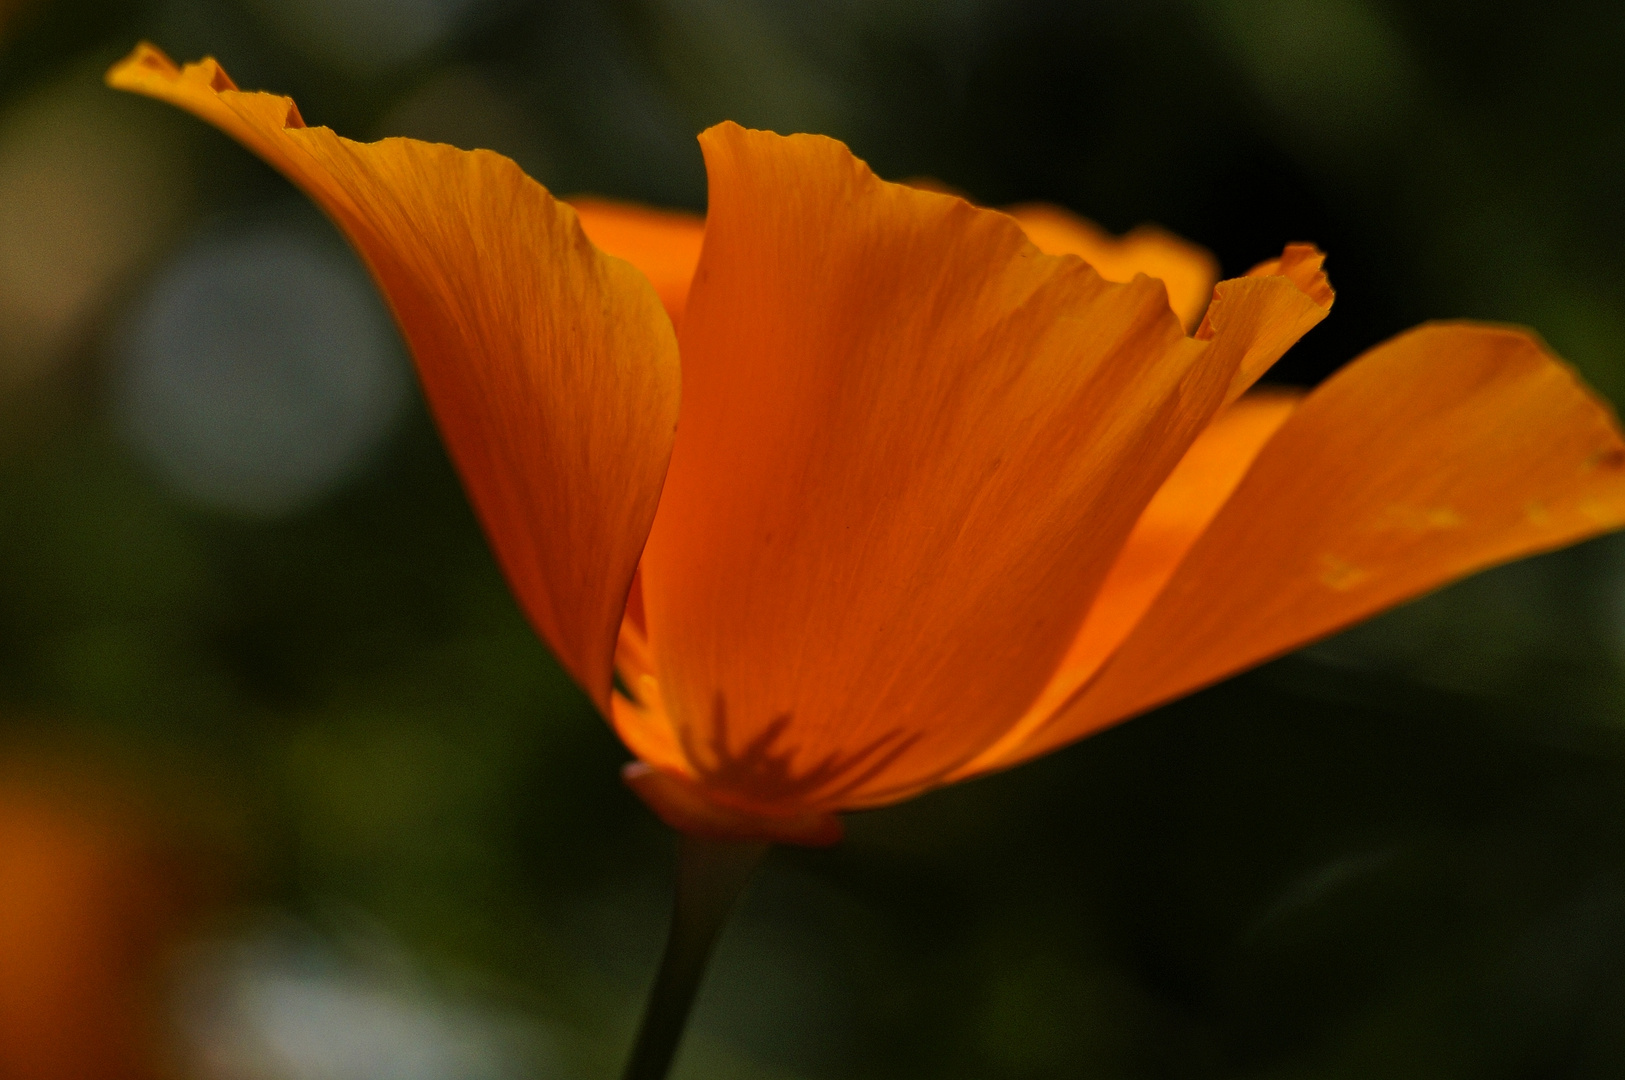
{"x":711,"y":875}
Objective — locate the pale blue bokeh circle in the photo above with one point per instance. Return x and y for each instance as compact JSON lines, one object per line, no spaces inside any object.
{"x":261,"y":371}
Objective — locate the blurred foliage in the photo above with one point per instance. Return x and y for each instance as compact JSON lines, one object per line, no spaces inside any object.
{"x":1400,"y":853}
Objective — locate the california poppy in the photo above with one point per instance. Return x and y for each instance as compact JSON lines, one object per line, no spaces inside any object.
{"x":936,"y":501}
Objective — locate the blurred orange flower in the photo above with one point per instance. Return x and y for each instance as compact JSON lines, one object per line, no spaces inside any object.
{"x":938,"y":501}
{"x":92,"y":901}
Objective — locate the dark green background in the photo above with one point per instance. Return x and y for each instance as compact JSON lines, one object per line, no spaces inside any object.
{"x":1398,"y":854}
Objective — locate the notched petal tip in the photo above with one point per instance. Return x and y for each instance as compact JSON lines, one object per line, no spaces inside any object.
{"x":1303,"y":265}
{"x":684,"y":805}
{"x":145,"y":60}
{"x":196,"y":87}
{"x":148,"y":66}
{"x":1278,"y":301}
{"x":1186,"y":270}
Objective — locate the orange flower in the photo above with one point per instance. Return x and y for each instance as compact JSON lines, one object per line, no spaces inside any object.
{"x":92,"y":904}
{"x":938,"y":501}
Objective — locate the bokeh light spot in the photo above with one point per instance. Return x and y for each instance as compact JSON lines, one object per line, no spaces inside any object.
{"x":89,"y":187}
{"x":261,"y":371}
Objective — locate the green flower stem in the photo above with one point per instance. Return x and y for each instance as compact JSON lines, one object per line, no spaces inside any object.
{"x":711,"y":875}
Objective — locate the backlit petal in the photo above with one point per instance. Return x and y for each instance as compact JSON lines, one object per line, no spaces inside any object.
{"x":912,"y":446}
{"x":1188,"y":271}
{"x":1288,"y":312}
{"x":551,"y":368}
{"x":1446,"y":450}
{"x":641,"y":720}
{"x":664,"y":244}
{"x":1177,"y":515}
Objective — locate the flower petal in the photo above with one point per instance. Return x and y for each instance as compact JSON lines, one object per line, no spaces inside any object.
{"x":550,"y":367}
{"x":664,"y":244}
{"x":1289,"y":312}
{"x":1176,"y":516}
{"x":1188,"y":271}
{"x":1443,"y":451}
{"x":912,"y":446}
